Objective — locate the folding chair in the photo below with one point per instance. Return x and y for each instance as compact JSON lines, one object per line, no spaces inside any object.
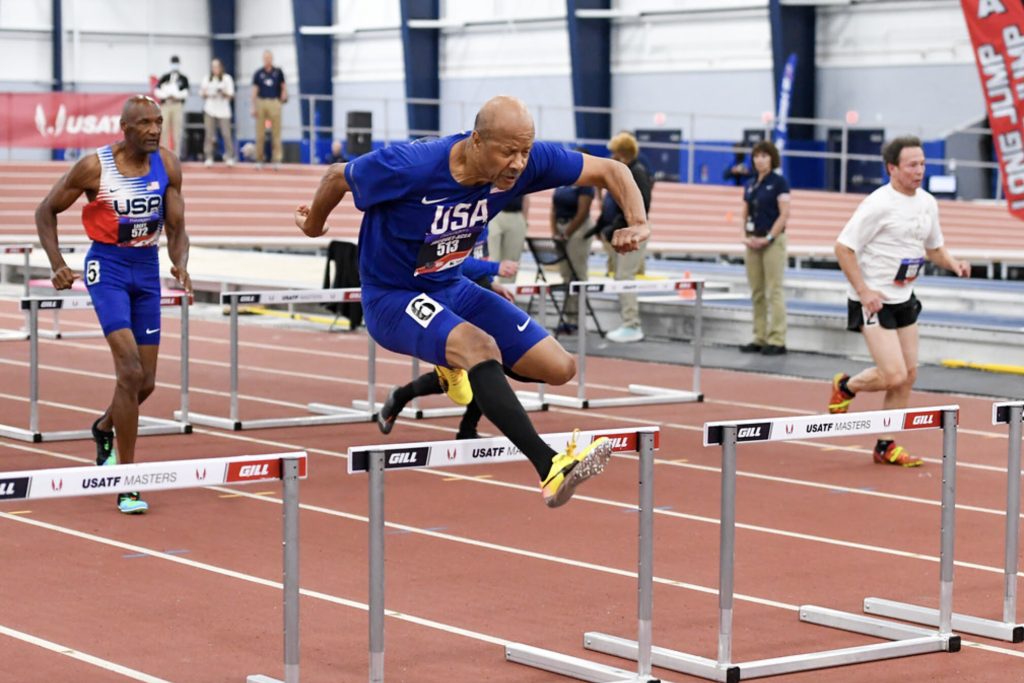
{"x":344,"y":256}
{"x":547,"y":253}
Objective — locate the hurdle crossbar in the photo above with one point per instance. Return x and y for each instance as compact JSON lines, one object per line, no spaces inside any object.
{"x":148,"y":426}
{"x":1008,"y":629}
{"x":325,"y":414}
{"x":641,"y":394}
{"x":65,"y":482}
{"x":375,"y":460}
{"x":907,"y":640}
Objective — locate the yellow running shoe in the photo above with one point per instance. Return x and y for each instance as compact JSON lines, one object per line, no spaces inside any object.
{"x":569,"y":469}
{"x":456,"y":384}
{"x":839,"y":401}
{"x":896,"y":455}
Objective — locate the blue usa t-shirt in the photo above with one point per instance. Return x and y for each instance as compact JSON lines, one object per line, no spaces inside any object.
{"x":419,"y":223}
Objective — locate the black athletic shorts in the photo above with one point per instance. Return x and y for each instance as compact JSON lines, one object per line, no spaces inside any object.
{"x":891,"y":317}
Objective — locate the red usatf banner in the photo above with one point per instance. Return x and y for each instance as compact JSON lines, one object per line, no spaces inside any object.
{"x":997,"y":32}
{"x":57,"y":120}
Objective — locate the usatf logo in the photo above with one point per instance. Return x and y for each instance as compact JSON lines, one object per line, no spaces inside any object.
{"x":89,"y":124}
{"x":886,"y":421}
{"x":200,"y":474}
{"x":56,"y":484}
{"x":928,"y":419}
{"x":14,"y":487}
{"x":790,"y":428}
{"x":452,"y":453}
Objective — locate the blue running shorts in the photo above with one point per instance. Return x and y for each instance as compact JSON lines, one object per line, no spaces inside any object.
{"x":418,"y":324}
{"x":124,"y":283}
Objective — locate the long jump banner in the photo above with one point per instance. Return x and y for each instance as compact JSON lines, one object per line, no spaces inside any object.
{"x":57,"y":120}
{"x":996,"y":32}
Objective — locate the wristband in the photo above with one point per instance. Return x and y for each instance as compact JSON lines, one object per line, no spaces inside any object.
{"x":770,"y":237}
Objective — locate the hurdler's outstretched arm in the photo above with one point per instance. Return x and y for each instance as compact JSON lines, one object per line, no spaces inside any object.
{"x":312,"y":220}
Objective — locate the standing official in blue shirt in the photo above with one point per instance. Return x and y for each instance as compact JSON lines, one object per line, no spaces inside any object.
{"x":269,"y":93}
{"x":765,"y":212}
{"x":425,"y":205}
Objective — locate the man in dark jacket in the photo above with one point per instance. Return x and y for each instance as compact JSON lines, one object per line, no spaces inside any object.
{"x":624,"y":148}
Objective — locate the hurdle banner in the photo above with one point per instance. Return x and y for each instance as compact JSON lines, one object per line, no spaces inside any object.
{"x":324,"y":414}
{"x":531,"y":401}
{"x":826,"y":426}
{"x":289,"y":468}
{"x":641,"y":394}
{"x":148,"y":426}
{"x":487,"y":451}
{"x":1008,"y":629}
{"x":375,"y":460}
{"x":906,"y":640}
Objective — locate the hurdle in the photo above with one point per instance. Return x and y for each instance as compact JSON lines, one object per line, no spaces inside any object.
{"x":642,"y":394}
{"x":65,"y":482}
{"x":906,"y":640}
{"x":1008,"y":629}
{"x":29,"y":283}
{"x":325,"y":414}
{"x":148,"y":426}
{"x":375,"y":460}
{"x":531,"y":401}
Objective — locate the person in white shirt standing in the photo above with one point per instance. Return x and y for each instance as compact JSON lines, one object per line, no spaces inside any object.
{"x":882,"y":250}
{"x":218,"y":91}
{"x":172,"y":91}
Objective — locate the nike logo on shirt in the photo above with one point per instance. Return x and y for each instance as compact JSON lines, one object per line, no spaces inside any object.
{"x":149,"y":331}
{"x":432,"y":201}
{"x":523,"y":326}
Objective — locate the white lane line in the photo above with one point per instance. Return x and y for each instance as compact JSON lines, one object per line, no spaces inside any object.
{"x":80,"y":656}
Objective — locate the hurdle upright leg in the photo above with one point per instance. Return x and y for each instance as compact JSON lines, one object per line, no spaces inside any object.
{"x":586,"y":670}
{"x":376,"y":606}
{"x":1008,"y":629}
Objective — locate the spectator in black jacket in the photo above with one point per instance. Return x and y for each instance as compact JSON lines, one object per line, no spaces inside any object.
{"x":624,"y":148}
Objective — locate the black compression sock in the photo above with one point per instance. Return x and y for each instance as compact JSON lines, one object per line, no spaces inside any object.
{"x":882,"y":444}
{"x":844,"y":388}
{"x":470,"y":420}
{"x":499,"y":403}
{"x":520,"y":378}
{"x":424,"y":385}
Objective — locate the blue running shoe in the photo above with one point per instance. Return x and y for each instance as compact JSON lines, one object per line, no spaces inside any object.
{"x":131,"y":504}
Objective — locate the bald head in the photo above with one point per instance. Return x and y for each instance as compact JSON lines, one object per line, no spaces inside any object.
{"x":137,"y":104}
{"x":503,"y":115}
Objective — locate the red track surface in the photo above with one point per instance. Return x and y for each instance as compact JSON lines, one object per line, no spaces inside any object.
{"x":242,"y":203}
{"x":477,"y":550}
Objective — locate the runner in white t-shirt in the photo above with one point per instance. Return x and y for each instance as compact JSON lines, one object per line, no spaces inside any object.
{"x":882,"y":250}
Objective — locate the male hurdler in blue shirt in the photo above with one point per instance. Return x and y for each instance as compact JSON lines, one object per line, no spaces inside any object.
{"x":424,"y":205}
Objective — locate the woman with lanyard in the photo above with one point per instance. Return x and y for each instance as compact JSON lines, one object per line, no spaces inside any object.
{"x":765,"y":212}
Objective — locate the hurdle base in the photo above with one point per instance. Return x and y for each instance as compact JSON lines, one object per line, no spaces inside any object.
{"x":641,"y":395}
{"x":148,"y":426}
{"x":411,"y":413}
{"x":905,"y":641}
{"x":13,"y":335}
{"x":977,"y":626}
{"x":268,"y":423}
{"x":574,"y":667}
{"x":77,"y":334}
